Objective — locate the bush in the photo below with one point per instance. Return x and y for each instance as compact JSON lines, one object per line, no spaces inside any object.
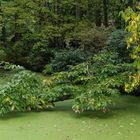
{"x":88,"y":37}
{"x":48,"y":69}
{"x":117,"y":43}
{"x":24,"y":92}
{"x":34,"y":57}
{"x":39,"y":56}
{"x":3,"y":56}
{"x":93,"y":84}
{"x":10,"y":67}
{"x":63,"y":60}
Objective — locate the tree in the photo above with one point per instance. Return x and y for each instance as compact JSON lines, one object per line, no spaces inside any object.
{"x":3,"y":35}
{"x":105,"y":9}
{"x":132,"y":19}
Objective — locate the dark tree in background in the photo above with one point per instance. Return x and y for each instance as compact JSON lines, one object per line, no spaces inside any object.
{"x":34,"y":29}
{"x":105,"y":9}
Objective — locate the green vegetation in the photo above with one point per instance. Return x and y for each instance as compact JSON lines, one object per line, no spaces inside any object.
{"x":93,"y":83}
{"x":83,"y":51}
{"x":132,"y":19}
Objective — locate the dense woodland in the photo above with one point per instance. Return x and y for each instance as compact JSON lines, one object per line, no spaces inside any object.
{"x":85,"y":50}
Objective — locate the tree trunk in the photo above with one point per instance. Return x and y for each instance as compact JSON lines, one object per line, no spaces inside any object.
{"x":4,"y":36}
{"x":105,"y":12}
{"x":98,"y":18}
{"x":17,"y":35}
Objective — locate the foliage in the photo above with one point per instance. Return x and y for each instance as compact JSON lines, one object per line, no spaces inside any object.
{"x":47,"y":69}
{"x":132,"y":19}
{"x":117,"y":43}
{"x":39,"y":56}
{"x":31,"y":29}
{"x":62,"y":36}
{"x":93,"y":82}
{"x":88,"y":37}
{"x":9,"y":67}
{"x":3,"y":55}
{"x":23,"y":93}
{"x":63,"y":60}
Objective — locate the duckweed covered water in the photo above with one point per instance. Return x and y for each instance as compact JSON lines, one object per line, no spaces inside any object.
{"x":121,"y":123}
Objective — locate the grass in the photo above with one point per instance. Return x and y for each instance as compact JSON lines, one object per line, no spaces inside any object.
{"x":122,"y":122}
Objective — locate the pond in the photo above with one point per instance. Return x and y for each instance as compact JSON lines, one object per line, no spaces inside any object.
{"x":120,"y":123}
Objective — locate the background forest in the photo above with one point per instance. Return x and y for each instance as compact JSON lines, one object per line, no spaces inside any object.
{"x":86,"y":50}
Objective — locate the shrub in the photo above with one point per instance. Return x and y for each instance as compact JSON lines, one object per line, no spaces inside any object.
{"x":9,"y":67}
{"x":63,"y":60}
{"x":48,"y":69}
{"x":24,"y":92}
{"x":93,"y":83}
{"x":117,"y":43}
{"x":39,"y":56}
{"x":3,"y":55}
{"x":88,"y":37}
